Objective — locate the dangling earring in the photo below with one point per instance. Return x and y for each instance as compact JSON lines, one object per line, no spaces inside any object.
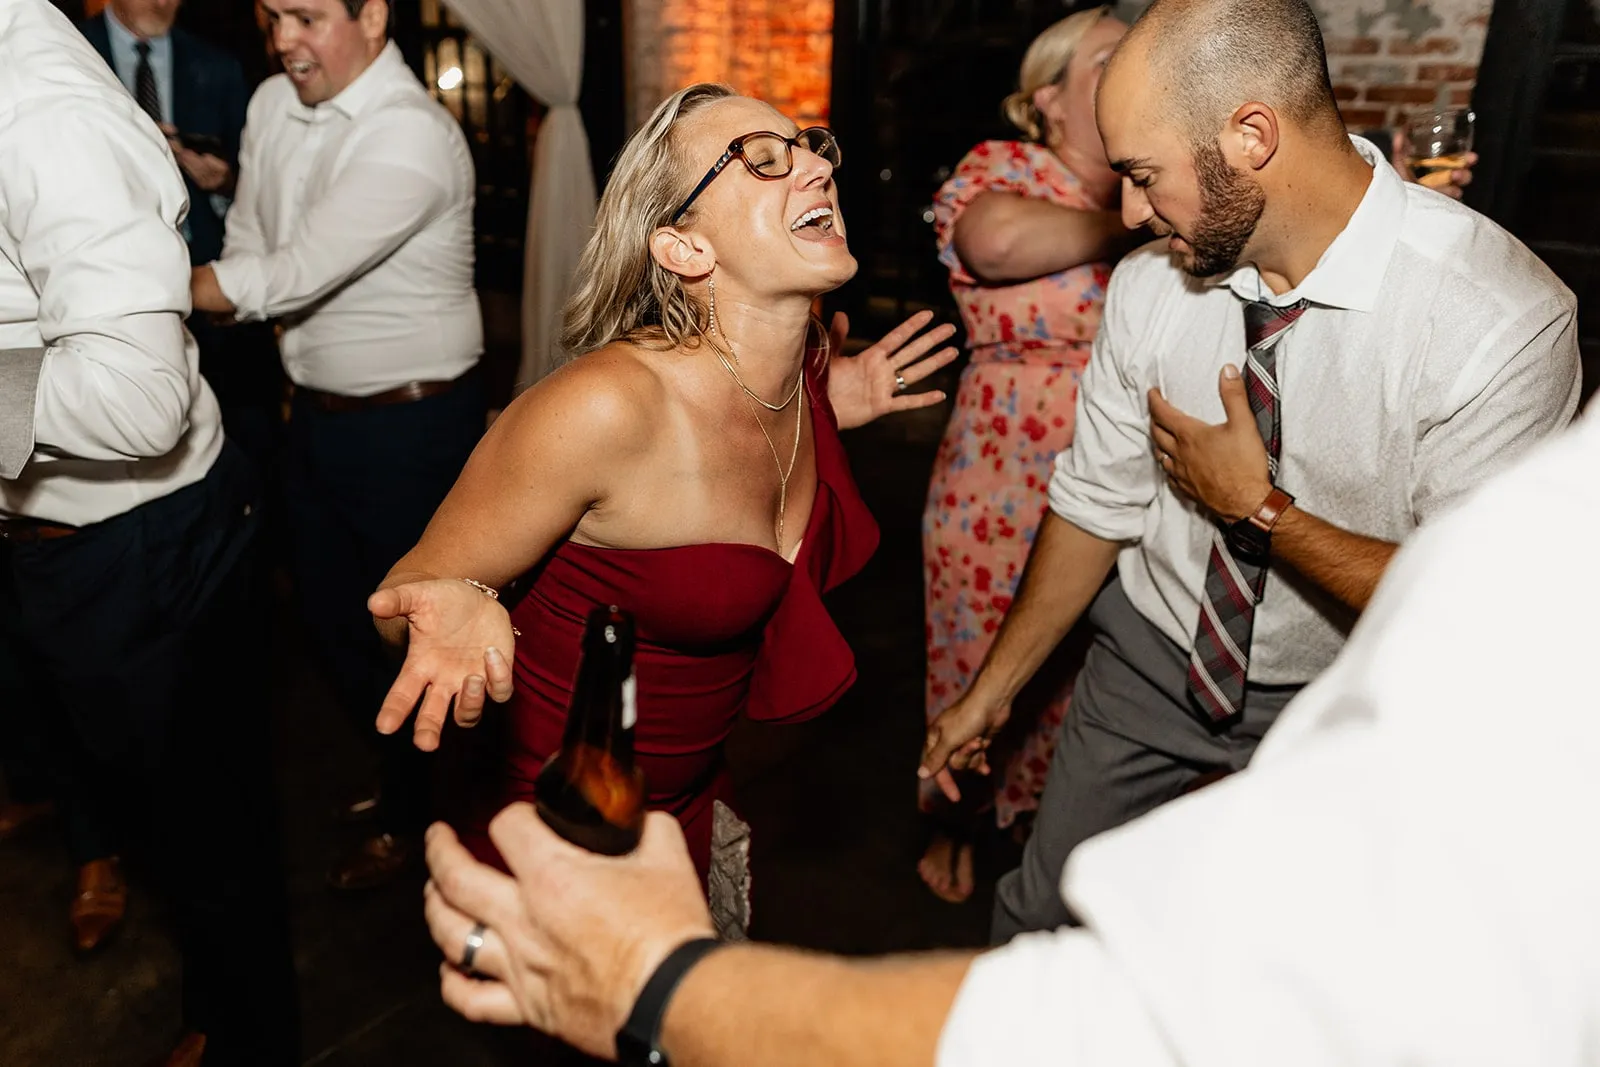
{"x":711,"y":289}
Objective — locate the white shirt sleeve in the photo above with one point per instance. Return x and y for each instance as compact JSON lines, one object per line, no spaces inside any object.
{"x":91,"y":204}
{"x":1052,"y":998}
{"x":243,"y":234}
{"x":394,"y":184}
{"x":1104,"y":482}
{"x":1521,"y":386}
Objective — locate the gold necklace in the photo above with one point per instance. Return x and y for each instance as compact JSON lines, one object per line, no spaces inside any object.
{"x":794,"y":454}
{"x":711,"y":289}
{"x":750,"y":392}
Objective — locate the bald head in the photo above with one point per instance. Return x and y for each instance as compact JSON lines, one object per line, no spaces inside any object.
{"x":1207,"y":57}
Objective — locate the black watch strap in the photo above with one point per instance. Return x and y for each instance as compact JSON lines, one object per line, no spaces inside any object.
{"x":636,"y":1041}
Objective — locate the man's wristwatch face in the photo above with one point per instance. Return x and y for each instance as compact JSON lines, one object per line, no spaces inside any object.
{"x":1248,"y":542}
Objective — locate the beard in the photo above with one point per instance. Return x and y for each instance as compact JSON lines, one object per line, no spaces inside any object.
{"x":1230,"y":207}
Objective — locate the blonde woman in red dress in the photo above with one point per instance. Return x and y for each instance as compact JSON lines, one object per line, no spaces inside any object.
{"x":686,"y":466}
{"x":1028,"y":229}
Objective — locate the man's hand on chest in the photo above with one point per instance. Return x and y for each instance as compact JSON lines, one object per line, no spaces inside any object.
{"x":1222,"y":467}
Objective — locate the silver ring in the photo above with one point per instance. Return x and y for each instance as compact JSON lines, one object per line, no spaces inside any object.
{"x":474,"y":943}
{"x":899,"y":382}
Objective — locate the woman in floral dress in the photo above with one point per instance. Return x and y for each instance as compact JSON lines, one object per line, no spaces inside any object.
{"x":1028,"y":229}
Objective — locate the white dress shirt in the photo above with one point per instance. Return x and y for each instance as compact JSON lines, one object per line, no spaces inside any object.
{"x":352,"y":222}
{"x":1406,"y":874}
{"x":1436,"y":349}
{"x":102,"y":407}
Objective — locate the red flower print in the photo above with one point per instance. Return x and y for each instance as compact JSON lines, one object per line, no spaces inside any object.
{"x":980,"y":531}
{"x":961,"y":665}
{"x":981,"y":579}
{"x":949,"y":500}
{"x":990,"y":625}
{"x":988,"y":398}
{"x":1058,"y":422}
{"x":1035,"y":430}
{"x":1001,"y":603}
{"x":1001,"y":425}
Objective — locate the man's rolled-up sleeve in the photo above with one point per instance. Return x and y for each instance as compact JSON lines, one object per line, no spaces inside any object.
{"x":395,"y":183}
{"x":92,"y":202}
{"x":1105,"y":480}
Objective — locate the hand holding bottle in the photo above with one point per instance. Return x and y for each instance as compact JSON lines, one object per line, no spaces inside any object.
{"x":458,"y":650}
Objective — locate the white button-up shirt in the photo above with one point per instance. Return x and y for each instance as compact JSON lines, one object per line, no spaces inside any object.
{"x":1436,"y":349}
{"x":102,"y":407}
{"x":352,"y":223}
{"x":1405,"y":874}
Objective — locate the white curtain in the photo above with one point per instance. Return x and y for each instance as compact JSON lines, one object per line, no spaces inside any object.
{"x":541,"y":43}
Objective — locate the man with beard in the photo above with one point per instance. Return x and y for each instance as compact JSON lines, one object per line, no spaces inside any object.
{"x":1315,"y":359}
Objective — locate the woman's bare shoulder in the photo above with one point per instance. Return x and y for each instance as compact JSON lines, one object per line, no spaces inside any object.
{"x":614,"y":393}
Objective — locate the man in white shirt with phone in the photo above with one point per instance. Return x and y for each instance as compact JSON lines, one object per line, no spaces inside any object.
{"x":352,"y":227}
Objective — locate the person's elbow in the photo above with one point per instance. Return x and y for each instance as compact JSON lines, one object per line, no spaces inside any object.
{"x":989,"y":249}
{"x":155,"y":415}
{"x":122,"y":410}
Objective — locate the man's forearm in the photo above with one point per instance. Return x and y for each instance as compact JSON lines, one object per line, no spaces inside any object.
{"x":1345,"y":565}
{"x":754,"y":1004}
{"x":1064,"y":573}
{"x":206,"y":294}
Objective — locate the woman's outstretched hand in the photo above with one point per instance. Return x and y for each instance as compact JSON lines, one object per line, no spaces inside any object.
{"x":458,"y":651}
{"x":874,"y":381}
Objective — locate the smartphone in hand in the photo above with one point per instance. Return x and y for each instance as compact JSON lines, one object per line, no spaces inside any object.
{"x":203,"y":143}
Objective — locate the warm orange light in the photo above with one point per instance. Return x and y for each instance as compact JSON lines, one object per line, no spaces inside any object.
{"x":778,"y":50}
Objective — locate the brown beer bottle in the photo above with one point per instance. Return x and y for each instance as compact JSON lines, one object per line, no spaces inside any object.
{"x":590,"y":792}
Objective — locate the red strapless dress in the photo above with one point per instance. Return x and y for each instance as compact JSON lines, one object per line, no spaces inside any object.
{"x":722,"y":630}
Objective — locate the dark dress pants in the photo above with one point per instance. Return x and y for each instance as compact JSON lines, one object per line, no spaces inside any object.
{"x":138,"y":630}
{"x":361,"y":487}
{"x":1129,"y":743}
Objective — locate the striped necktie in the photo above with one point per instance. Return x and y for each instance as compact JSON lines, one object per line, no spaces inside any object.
{"x":1221,"y":655}
{"x":144,"y":83}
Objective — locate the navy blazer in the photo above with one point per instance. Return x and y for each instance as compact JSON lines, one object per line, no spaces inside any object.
{"x":208,"y":97}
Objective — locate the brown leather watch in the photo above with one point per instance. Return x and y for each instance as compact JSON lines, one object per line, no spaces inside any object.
{"x":1250,"y":539}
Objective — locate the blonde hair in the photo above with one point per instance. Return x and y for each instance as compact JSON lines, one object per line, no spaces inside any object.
{"x":622,"y":293}
{"x":1045,"y":64}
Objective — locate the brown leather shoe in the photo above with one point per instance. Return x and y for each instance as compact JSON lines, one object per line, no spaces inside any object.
{"x":15,"y":818}
{"x":101,"y":902}
{"x":374,"y":862}
{"x":191,"y":1052}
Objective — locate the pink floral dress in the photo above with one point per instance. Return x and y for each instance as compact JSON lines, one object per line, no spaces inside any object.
{"x":1030,"y":343}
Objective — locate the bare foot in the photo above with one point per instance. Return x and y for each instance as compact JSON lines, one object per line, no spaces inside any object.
{"x":947,"y":868}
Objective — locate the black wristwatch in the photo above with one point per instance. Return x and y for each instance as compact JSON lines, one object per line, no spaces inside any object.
{"x":1250,"y":539}
{"x":638,"y":1040}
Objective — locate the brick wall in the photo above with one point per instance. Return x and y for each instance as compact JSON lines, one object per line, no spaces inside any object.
{"x":778,"y":50}
{"x":1390,"y":56}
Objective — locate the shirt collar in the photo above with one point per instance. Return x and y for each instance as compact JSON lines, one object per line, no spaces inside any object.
{"x":125,"y":40}
{"x":1350,"y":272}
{"x":354,"y":98}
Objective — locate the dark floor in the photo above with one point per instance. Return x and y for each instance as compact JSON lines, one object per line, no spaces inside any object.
{"x":832,"y":804}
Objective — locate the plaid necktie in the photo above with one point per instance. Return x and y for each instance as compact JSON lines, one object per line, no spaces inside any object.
{"x":1221,"y":653}
{"x":144,"y":83}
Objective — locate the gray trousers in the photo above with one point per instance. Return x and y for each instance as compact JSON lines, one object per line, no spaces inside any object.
{"x":1129,"y":743}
